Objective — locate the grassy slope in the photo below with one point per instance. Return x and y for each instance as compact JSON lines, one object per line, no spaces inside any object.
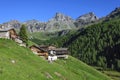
{"x":113,"y":74}
{"x":28,"y":66}
{"x":40,"y":35}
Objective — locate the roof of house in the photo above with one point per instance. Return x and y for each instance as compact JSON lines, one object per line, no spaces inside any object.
{"x":6,"y":29}
{"x":61,"y":49}
{"x":38,"y":48}
{"x":43,"y":46}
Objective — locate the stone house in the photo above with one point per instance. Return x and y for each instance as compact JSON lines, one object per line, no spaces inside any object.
{"x":8,"y":33}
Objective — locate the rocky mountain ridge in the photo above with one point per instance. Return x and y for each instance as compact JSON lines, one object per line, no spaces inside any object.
{"x":61,"y":22}
{"x":57,"y":23}
{"x":86,"y":19}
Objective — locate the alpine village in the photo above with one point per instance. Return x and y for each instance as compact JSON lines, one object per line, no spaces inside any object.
{"x":86,"y":48}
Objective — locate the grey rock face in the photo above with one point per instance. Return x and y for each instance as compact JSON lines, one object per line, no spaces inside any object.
{"x":85,"y":19}
{"x":61,"y":17}
{"x":31,"y":25}
{"x":12,"y":24}
{"x":35,"y":25}
{"x":60,"y":22}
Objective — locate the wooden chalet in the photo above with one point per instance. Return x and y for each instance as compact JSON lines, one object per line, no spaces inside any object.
{"x":8,"y":33}
{"x":60,"y":52}
{"x":39,"y":51}
{"x":50,"y":52}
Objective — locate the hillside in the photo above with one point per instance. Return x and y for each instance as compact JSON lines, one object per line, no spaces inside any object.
{"x":19,"y":63}
{"x":96,"y":45}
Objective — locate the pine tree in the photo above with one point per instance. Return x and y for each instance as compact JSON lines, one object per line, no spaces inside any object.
{"x":23,"y":34}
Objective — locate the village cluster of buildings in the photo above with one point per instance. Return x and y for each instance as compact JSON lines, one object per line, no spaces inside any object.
{"x":51,"y":53}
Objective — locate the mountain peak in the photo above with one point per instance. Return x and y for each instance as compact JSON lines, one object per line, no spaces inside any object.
{"x":60,"y":22}
{"x":61,"y":17}
{"x":90,"y":16}
{"x":11,"y":23}
{"x":86,"y":19}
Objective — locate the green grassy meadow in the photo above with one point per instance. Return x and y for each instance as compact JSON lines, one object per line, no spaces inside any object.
{"x":19,"y":63}
{"x":115,"y":75}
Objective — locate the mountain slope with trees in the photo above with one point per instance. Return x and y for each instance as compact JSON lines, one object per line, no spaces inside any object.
{"x":97,"y":45}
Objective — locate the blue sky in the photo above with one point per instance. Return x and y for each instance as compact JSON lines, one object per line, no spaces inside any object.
{"x":44,"y":10}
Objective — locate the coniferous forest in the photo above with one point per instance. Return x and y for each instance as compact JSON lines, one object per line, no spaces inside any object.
{"x":96,"y":45}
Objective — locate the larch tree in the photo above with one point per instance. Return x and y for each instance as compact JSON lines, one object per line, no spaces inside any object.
{"x":23,"y":34}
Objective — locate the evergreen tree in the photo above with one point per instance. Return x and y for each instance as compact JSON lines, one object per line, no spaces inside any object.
{"x":23,"y":34}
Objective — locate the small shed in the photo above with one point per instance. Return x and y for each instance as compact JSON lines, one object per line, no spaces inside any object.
{"x":38,"y":51}
{"x":8,"y":33}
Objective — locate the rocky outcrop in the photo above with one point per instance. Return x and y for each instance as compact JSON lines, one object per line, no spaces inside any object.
{"x":35,"y":25}
{"x":11,"y":24}
{"x":60,"y":22}
{"x":86,"y":19}
{"x":62,"y":17}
